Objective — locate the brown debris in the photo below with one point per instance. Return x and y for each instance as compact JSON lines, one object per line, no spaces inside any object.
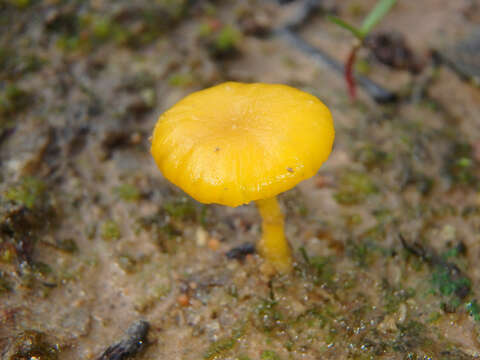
{"x":392,"y":49}
{"x":183,"y":300}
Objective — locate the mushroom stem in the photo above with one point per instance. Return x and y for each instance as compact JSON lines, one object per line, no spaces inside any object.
{"x":274,"y":246}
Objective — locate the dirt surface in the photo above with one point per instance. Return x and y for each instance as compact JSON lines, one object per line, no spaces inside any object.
{"x":386,"y":237}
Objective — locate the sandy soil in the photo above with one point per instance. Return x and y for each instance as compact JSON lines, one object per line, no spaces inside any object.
{"x":92,"y":238}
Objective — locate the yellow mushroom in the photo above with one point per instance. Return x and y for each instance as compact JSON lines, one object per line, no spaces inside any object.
{"x":235,"y":143}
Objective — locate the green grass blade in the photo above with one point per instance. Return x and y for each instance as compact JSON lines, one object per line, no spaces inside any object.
{"x":377,"y":14}
{"x":356,"y":32}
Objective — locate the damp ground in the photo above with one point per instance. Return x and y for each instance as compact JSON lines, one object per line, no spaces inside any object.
{"x":93,"y":239}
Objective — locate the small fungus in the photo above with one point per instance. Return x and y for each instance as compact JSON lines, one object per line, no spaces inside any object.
{"x":271,"y":137}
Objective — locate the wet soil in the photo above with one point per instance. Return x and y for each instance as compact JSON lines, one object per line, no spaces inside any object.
{"x":93,"y":239}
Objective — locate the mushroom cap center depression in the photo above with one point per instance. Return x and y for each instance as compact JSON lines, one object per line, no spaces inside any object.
{"x":235,"y":143}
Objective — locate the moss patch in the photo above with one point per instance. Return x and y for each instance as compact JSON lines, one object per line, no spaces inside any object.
{"x":354,"y":188}
{"x":31,"y":344}
{"x":110,"y":231}
{"x":27,"y":193}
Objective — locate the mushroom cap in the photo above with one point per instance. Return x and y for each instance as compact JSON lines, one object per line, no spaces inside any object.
{"x":234,"y":143}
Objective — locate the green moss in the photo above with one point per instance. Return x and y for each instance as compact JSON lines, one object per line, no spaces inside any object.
{"x":110,"y":230}
{"x":181,"y":79}
{"x":455,"y":251}
{"x":354,"y":188}
{"x":394,"y":296}
{"x":266,"y":315}
{"x":220,"y":42}
{"x":7,"y":253}
{"x":219,"y":348}
{"x":156,"y":18}
{"x":434,"y":316}
{"x":31,"y":344}
{"x":149,"y":97}
{"x":164,"y":231}
{"x":127,"y":192}
{"x":103,"y":29}
{"x":352,"y":220}
{"x":28,"y":192}
{"x":13,"y":64}
{"x":242,"y":357}
{"x":383,"y":215}
{"x":13,"y":100}
{"x":411,"y":335}
{"x":145,"y":302}
{"x":68,"y":43}
{"x":316,"y":317}
{"x":181,"y":209}
{"x":227,"y":39}
{"x":5,"y":284}
{"x":448,"y":282}
{"x":95,"y":30}
{"x":174,"y":8}
{"x":67,"y":245}
{"x":21,"y":4}
{"x":459,"y":165}
{"x":205,"y":29}
{"x":41,"y":272}
{"x":269,"y":355}
{"x":362,"y":66}
{"x":318,"y":269}
{"x":361,"y":252}
{"x":323,"y":270}
{"x":473,"y":309}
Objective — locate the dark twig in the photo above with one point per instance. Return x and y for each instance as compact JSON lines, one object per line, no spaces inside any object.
{"x":415,"y":249}
{"x":461,"y":288}
{"x":378,"y":93}
{"x":132,"y":344}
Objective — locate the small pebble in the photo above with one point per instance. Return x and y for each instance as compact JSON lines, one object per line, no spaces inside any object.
{"x":213,"y":244}
{"x":321,"y":181}
{"x":136,"y":138}
{"x":183,"y":300}
{"x":201,"y":236}
{"x":267,"y":269}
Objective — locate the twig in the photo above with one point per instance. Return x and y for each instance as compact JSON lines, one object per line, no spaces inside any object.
{"x":377,"y":92}
{"x":461,"y":289}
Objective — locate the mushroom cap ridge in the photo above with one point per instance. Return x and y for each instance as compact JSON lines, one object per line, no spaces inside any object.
{"x":234,"y":143}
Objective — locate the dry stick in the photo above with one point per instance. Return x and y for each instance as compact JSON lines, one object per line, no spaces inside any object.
{"x":377,"y":92}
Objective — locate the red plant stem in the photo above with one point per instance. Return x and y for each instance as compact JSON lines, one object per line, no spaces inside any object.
{"x":349,"y":77}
